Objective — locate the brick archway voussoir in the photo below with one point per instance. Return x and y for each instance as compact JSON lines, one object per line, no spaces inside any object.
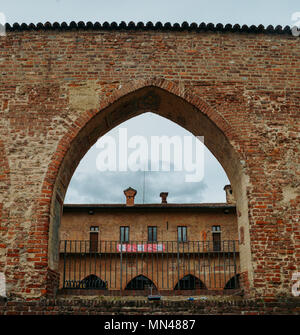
{"x":64,"y":144}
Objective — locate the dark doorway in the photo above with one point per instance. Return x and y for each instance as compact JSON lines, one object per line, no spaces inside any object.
{"x":189,"y":282}
{"x":140,"y":283}
{"x":233,"y":283}
{"x":93,"y":282}
{"x":94,"y":233}
{"x":216,"y":235}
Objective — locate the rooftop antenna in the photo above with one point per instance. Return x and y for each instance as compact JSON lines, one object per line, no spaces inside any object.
{"x":144,"y":186}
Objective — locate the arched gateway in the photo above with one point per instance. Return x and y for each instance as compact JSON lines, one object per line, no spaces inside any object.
{"x":89,"y":80}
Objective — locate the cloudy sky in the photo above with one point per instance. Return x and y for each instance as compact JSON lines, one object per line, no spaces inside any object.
{"x":88,"y":184}
{"x":230,"y":11}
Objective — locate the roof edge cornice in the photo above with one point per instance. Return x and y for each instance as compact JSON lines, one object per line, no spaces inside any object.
{"x":158,"y":26}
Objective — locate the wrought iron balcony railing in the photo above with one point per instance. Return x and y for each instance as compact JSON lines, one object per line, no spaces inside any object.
{"x":84,"y":246}
{"x":137,"y":265}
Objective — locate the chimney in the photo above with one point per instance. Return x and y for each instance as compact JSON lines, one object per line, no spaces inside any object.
{"x":130,"y":194}
{"x":163,"y":196}
{"x":229,"y":194}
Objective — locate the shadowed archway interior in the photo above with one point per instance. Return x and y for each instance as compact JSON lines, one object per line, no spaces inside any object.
{"x":140,"y":283}
{"x":189,"y":282}
{"x":233,"y":282}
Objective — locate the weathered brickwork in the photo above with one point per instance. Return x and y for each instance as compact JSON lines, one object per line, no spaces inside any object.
{"x":81,"y":306}
{"x":61,"y":90}
{"x":76,"y":223}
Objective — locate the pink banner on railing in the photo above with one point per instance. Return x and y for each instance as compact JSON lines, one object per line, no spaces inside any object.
{"x":148,"y":247}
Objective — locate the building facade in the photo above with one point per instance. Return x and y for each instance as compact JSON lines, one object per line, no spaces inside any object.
{"x":162,"y":247}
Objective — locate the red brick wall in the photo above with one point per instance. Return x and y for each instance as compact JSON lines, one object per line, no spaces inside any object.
{"x":243,"y":86}
{"x":81,"y":306}
{"x":76,"y":225}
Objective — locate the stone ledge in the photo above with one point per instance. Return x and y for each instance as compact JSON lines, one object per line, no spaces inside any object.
{"x":168,"y":307}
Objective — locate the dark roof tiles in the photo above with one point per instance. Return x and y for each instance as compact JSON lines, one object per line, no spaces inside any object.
{"x":185,"y":26}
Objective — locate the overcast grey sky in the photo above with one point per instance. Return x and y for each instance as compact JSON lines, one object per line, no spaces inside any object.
{"x":224,"y":11}
{"x":88,"y":185}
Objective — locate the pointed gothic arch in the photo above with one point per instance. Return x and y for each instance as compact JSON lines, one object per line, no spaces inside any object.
{"x":140,"y":282}
{"x":233,"y":283}
{"x":190,"y":282}
{"x":93,"y":282}
{"x":158,"y":96}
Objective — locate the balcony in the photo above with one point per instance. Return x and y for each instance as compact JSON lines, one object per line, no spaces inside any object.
{"x":140,"y":247}
{"x":171,"y":267}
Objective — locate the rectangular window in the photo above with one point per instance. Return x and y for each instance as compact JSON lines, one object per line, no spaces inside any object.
{"x":94,"y":234}
{"x":124,"y":234}
{"x":152,"y":234}
{"x":216,"y":235}
{"x":182,"y":234}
